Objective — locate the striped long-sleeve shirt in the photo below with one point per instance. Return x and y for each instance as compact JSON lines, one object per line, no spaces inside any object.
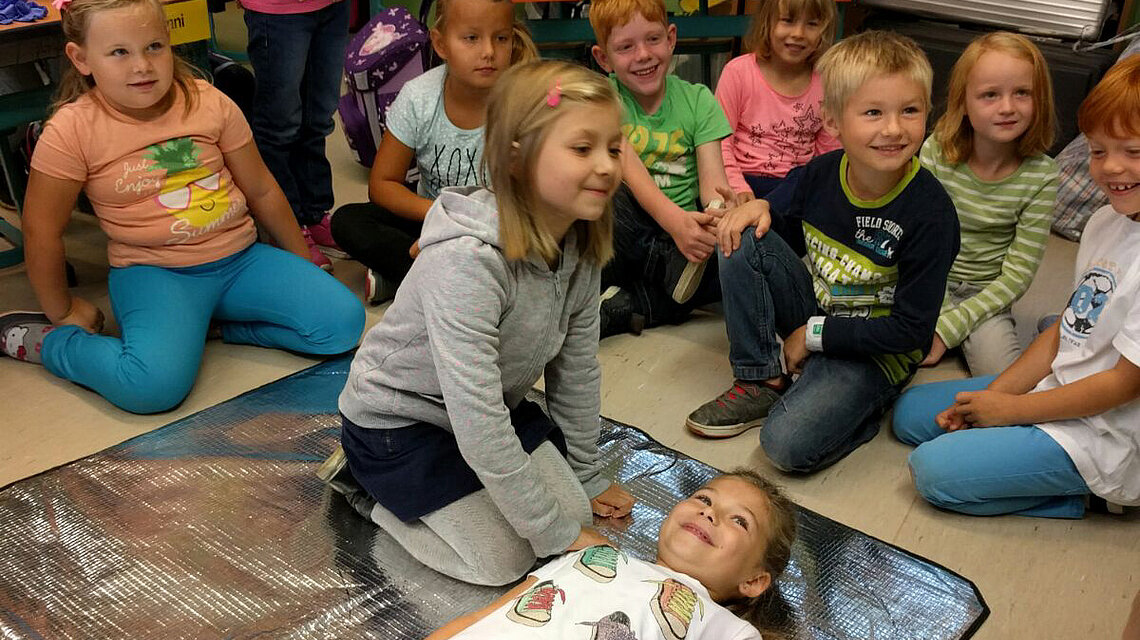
{"x":1005,"y":225}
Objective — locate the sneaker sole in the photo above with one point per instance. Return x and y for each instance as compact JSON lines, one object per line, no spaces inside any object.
{"x":725,"y":431}
{"x":332,"y":465}
{"x":689,"y":282}
{"x":332,"y":252}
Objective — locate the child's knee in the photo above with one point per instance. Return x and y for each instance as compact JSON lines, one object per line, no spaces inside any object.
{"x":787,"y":451}
{"x":907,"y":415}
{"x":340,"y":323}
{"x":153,"y":391}
{"x":500,"y":564}
{"x":928,"y":469}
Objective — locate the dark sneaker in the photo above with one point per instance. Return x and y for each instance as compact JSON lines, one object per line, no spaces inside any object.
{"x":673,"y":607}
{"x":612,"y":627}
{"x":683,"y":278}
{"x":617,"y":313}
{"x":22,"y":335}
{"x":377,"y":289}
{"x":599,"y":562}
{"x":335,"y":473}
{"x":534,"y":607}
{"x":743,"y":406}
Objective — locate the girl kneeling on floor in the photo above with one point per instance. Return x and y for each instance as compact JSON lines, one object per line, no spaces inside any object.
{"x":1063,"y":421}
{"x":170,"y":166}
{"x":472,"y":479}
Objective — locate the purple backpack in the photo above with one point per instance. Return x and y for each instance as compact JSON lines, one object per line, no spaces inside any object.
{"x":380,"y":58}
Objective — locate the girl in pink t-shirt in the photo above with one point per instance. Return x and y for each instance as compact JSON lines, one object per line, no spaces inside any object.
{"x":170,"y":167}
{"x":773,"y":97}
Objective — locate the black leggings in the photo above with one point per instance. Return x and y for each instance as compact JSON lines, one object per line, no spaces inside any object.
{"x":376,"y":237}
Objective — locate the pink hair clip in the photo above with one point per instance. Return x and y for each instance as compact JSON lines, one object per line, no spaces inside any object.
{"x":553,"y":97}
{"x":60,"y":4}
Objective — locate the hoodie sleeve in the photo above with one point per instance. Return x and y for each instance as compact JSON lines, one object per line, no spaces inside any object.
{"x":461,"y":314}
{"x":574,"y":387}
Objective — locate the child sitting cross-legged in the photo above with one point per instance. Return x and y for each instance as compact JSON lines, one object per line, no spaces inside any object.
{"x":880,"y":234}
{"x":718,"y":553}
{"x":1063,"y":421}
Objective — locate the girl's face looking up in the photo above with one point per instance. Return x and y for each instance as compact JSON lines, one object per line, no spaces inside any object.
{"x":476,"y":40}
{"x":127,"y":51}
{"x":719,"y":536}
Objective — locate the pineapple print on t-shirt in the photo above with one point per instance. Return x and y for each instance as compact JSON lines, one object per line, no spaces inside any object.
{"x":199,"y":199}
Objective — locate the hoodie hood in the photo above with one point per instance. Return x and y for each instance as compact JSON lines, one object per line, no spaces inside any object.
{"x":462,"y":211}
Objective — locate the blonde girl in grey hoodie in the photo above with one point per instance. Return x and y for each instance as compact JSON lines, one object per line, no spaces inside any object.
{"x":472,"y":479}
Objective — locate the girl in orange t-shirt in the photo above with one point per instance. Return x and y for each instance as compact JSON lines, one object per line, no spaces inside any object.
{"x":170,"y":166}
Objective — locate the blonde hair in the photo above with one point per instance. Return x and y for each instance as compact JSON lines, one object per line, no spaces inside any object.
{"x":607,"y":15}
{"x":954,"y":132}
{"x":1113,"y":106}
{"x":759,"y":38}
{"x":76,"y":18}
{"x":518,"y":122}
{"x":781,"y":527}
{"x":523,"y":48}
{"x":854,"y":60}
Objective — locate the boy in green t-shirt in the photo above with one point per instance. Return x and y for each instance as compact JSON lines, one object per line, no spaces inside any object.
{"x":662,"y":243}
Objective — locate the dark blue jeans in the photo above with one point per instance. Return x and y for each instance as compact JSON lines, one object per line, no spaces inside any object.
{"x":298,"y":60}
{"x":835,"y":404}
{"x":642,"y":249}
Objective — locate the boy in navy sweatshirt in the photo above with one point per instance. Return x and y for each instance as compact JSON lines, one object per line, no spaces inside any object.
{"x":880,"y":234}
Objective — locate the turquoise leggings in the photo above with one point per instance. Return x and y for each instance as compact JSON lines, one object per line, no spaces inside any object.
{"x":986,"y":471}
{"x":261,"y":295}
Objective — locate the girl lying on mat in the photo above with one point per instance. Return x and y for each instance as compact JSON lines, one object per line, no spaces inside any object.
{"x":718,"y":552}
{"x":468,"y":476}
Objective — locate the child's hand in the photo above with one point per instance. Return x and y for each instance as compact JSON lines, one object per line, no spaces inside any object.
{"x":937,"y":350}
{"x":950,"y":420}
{"x":753,"y":213}
{"x":692,"y":236}
{"x":414,"y":250}
{"x":986,"y":408}
{"x":587,"y":538}
{"x":84,"y":315}
{"x":744,"y":196}
{"x":614,"y":502}
{"x":795,"y":350}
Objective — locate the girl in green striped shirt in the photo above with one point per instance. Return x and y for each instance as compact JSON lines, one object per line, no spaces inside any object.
{"x":987,"y":150}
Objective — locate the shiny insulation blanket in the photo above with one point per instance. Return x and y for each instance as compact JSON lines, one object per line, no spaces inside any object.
{"x":215,"y":526}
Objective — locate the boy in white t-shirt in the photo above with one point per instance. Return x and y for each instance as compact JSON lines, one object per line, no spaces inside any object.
{"x":718,"y":552}
{"x":1074,"y":391}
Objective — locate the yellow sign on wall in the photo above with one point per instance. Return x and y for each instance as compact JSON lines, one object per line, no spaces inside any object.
{"x":188,"y":21}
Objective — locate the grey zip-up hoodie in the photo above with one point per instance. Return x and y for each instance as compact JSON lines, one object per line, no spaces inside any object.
{"x":467,"y":336}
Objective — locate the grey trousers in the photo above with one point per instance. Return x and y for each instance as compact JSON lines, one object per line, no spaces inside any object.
{"x":992,"y":345}
{"x":471,"y":540}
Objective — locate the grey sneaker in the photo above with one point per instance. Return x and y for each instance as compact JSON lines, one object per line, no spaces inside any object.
{"x":335,"y":473}
{"x":743,"y":406}
{"x":22,"y":335}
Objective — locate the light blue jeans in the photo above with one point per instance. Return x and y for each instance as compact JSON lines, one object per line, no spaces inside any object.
{"x":262,"y":295}
{"x":985,"y":471}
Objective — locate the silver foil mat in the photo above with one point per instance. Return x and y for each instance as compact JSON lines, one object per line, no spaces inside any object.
{"x":215,"y":527}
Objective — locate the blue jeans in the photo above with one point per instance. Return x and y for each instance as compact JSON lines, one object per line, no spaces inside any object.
{"x":835,"y":404}
{"x":298,"y":60}
{"x":164,"y":314}
{"x":985,"y":471}
{"x":642,"y":250}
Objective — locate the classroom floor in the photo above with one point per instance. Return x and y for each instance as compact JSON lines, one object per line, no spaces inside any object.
{"x":1041,"y":578}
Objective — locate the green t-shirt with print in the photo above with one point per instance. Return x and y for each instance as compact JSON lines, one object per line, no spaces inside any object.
{"x":666,"y":141}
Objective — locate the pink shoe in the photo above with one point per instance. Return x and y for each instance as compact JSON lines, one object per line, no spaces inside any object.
{"x":322,"y":235}
{"x":22,"y":334}
{"x":315,"y":255}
